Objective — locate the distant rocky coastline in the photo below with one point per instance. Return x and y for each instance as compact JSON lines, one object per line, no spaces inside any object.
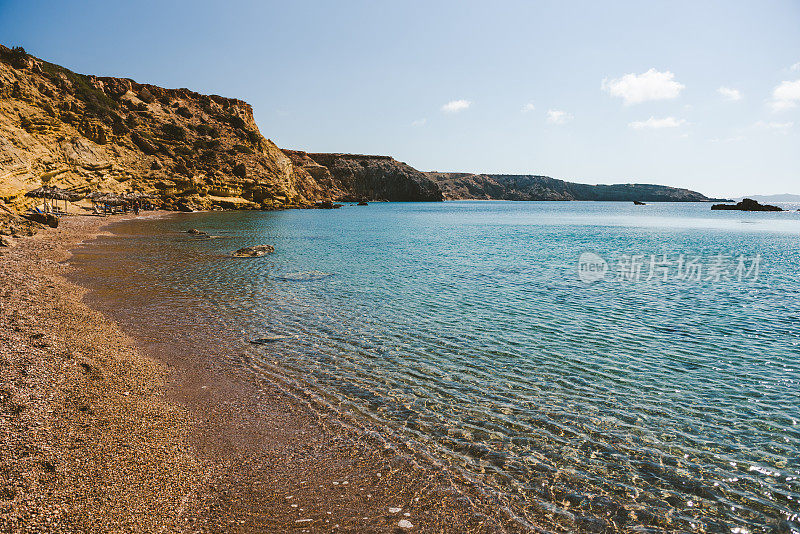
{"x":458,"y":186}
{"x":357,"y":177}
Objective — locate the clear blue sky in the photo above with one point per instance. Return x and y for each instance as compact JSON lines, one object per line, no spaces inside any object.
{"x":698,"y":94}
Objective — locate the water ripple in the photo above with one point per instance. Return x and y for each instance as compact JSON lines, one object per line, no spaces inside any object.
{"x":463,"y":327}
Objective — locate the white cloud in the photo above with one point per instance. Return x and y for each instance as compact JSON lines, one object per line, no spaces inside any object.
{"x":650,"y":85}
{"x":419,"y":122}
{"x":731,"y":95}
{"x":795,"y":67}
{"x":656,"y":124}
{"x":734,"y":139}
{"x":454,"y":106}
{"x":556,"y":116}
{"x":786,"y":95}
{"x":782,"y":127}
{"x":528,"y":107}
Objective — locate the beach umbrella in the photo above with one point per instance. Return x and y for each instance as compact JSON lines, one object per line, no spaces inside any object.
{"x":135,"y":195}
{"x":43,"y":192}
{"x":112,"y":200}
{"x":54,"y":193}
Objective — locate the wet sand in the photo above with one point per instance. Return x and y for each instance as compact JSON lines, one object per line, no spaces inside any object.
{"x":100,"y":433}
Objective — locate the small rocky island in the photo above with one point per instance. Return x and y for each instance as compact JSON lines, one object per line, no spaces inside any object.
{"x":747,"y":204}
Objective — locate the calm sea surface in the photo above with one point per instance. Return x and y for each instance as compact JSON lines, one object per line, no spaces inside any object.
{"x":664,"y":397}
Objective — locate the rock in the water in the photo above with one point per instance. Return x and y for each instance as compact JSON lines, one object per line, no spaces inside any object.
{"x":638,"y":203}
{"x":362,"y":203}
{"x":254,"y":252}
{"x":268,"y":339}
{"x":198,"y":233}
{"x":303,"y":276}
{"x":327,"y":205}
{"x":747,"y":204}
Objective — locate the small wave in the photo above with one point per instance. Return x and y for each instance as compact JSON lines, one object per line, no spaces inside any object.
{"x":303,"y":276}
{"x":268,"y":339}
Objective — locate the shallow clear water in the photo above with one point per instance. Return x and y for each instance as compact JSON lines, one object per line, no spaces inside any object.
{"x":639,"y":402}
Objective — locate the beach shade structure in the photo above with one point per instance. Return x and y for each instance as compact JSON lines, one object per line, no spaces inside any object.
{"x":136,"y":198}
{"x":138,"y":195}
{"x":135,"y":195}
{"x":99,"y":197}
{"x":54,"y":193}
{"x":63,"y":194}
{"x":112,"y":200}
{"x":95,"y":195}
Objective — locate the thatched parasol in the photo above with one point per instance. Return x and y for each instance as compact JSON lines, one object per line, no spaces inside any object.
{"x":95,"y":195}
{"x":54,"y":193}
{"x":137,"y":195}
{"x":111,"y":199}
{"x":42,"y":192}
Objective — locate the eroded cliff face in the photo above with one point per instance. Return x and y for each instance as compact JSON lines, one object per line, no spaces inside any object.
{"x":354,"y":177}
{"x":113,"y":134}
{"x":457,"y":186}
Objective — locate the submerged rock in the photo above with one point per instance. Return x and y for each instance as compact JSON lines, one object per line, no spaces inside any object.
{"x":268,"y":339}
{"x":254,"y":252}
{"x":198,"y":233}
{"x":303,"y":276}
{"x":747,"y":204}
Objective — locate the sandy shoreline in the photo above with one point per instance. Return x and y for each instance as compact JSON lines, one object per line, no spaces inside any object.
{"x":98,"y":435}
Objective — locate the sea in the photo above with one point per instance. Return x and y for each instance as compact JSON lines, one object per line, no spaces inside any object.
{"x":600,"y":365}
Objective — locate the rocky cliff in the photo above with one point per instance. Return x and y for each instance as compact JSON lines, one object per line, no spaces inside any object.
{"x":114,"y":134}
{"x":531,"y":187}
{"x":353,"y":177}
{"x":87,"y":133}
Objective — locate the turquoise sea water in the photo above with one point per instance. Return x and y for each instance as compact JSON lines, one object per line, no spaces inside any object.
{"x":661,"y":398}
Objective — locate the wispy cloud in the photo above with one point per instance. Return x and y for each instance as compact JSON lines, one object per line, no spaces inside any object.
{"x":527,"y":108}
{"x":782,"y":127}
{"x":734,"y":139}
{"x":656,"y":124}
{"x":556,"y":116}
{"x":795,"y":67}
{"x":454,"y":106}
{"x":419,"y":122}
{"x":785,"y":96}
{"x":731,"y":95}
{"x":650,"y":85}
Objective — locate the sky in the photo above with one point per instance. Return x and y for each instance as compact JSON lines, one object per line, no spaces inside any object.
{"x":696,"y":94}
